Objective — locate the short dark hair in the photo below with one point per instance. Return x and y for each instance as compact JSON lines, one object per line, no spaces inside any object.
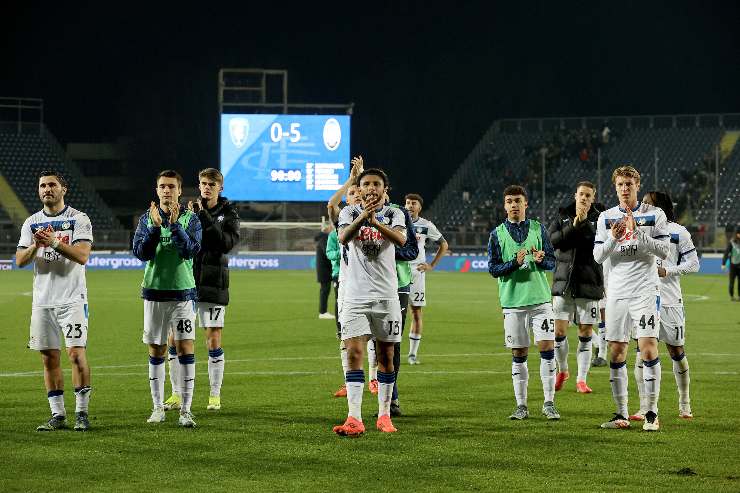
{"x":55,"y":174}
{"x":170,"y":173}
{"x":211,"y":174}
{"x":377,"y":172}
{"x":515,"y":190}
{"x":586,"y":183}
{"x":414,"y":196}
{"x":663,"y":200}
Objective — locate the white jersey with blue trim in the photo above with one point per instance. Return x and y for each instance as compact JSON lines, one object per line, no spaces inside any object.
{"x":632,"y":271}
{"x":681,"y":259}
{"x":424,"y":229}
{"x":368,"y":263}
{"x":57,"y":281}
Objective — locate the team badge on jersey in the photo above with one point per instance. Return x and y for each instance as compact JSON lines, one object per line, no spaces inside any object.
{"x":66,"y":225}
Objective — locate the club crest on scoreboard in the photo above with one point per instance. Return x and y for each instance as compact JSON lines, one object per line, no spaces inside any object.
{"x":239,"y":131}
{"x":332,"y":134}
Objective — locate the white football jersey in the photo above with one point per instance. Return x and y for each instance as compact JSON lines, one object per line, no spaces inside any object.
{"x":424,"y":229}
{"x":57,"y":281}
{"x":632,"y":271}
{"x":369,"y":263}
{"x":681,"y":259}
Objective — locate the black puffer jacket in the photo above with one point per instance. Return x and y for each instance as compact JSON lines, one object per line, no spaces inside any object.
{"x":576,"y":271}
{"x":211,"y":266}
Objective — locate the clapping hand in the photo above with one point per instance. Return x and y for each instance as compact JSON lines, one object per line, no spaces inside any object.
{"x":581,"y":214}
{"x":539,"y":255}
{"x":154,"y":215}
{"x":174,"y":212}
{"x":195,"y":206}
{"x":357,"y":167}
{"x":619,"y":228}
{"x":44,"y":237}
{"x":520,"y":256}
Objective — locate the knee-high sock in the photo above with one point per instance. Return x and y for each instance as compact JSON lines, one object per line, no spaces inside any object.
{"x":583,"y":357}
{"x":681,"y":372}
{"x":561,"y":352}
{"x":355,"y":381}
{"x":602,"y":340}
{"x":547,"y":374}
{"x":187,"y":381}
{"x":619,"y":383}
{"x":385,"y":392}
{"x":82,"y":399}
{"x":652,"y":373}
{"x":156,"y":380}
{"x":640,"y":381}
{"x":520,"y":378}
{"x":216,"y":363}
{"x":372,"y":360}
{"x":174,"y":365}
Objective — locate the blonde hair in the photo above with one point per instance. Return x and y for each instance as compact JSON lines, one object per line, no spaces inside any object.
{"x":212,"y":174}
{"x":626,"y":171}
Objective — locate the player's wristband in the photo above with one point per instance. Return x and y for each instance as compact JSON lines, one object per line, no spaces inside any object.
{"x":55,"y":243}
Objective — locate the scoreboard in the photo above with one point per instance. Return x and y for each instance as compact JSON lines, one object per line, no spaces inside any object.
{"x":297,"y":158}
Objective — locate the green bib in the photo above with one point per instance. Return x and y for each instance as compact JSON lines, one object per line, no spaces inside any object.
{"x":527,"y":285}
{"x":403,"y":272}
{"x":735,"y":254}
{"x":168,"y":271}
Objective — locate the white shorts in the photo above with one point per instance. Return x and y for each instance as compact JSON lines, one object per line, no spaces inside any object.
{"x":632,"y":317}
{"x":210,"y":314}
{"x":518,"y":322}
{"x":418,"y":287}
{"x":576,"y":310}
{"x":161,"y":317}
{"x":50,"y":325}
{"x":378,"y":319}
{"x":672,"y":325}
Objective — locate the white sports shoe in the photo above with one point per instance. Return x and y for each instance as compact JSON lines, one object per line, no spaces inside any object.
{"x":326,"y":316}
{"x":651,"y":422}
{"x":157,"y":416}
{"x":187,"y":420}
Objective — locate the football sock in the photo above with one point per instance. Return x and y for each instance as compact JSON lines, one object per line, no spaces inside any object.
{"x":355,"y":381}
{"x":652,"y":373}
{"x":187,"y":381}
{"x":561,"y":352}
{"x":681,"y":372}
{"x":396,"y":367}
{"x":216,"y":362}
{"x":595,"y":336}
{"x":174,"y":364}
{"x":547,"y":374}
{"x":520,"y":377}
{"x":640,"y":381}
{"x":619,"y":382}
{"x":82,"y":399}
{"x":345,"y":357}
{"x":56,"y":402}
{"x":156,"y":380}
{"x":372,"y":360}
{"x":385,"y":391}
{"x":602,"y":340}
{"x":414,"y":341}
{"x":584,"y":357}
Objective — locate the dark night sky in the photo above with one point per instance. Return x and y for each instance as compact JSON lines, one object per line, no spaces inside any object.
{"x":426,"y":82}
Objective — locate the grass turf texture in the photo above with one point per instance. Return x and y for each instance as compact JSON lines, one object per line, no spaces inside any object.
{"x":274,"y":431}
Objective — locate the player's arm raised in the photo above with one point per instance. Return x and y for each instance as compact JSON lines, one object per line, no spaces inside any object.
{"x":606,"y":242}
{"x":657,"y":244}
{"x":332,"y":207}
{"x":187,"y":242}
{"x":146,"y":239}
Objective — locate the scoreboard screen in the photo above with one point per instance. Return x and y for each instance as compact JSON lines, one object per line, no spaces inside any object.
{"x":296,"y":158}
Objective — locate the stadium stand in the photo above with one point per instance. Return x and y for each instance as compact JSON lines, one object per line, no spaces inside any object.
{"x":512,"y":151}
{"x":23,"y":156}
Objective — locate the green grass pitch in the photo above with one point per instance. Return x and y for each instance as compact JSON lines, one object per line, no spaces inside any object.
{"x":274,"y":431}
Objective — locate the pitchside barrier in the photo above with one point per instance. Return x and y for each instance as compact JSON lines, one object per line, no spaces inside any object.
{"x":709,"y":264}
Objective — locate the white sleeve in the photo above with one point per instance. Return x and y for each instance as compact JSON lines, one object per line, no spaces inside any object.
{"x":345,"y":217}
{"x":657,"y":241}
{"x":83,"y":229}
{"x":398,"y":219}
{"x":688,"y":260}
{"x":434,"y":233}
{"x":26,"y":239}
{"x":604,"y":243}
